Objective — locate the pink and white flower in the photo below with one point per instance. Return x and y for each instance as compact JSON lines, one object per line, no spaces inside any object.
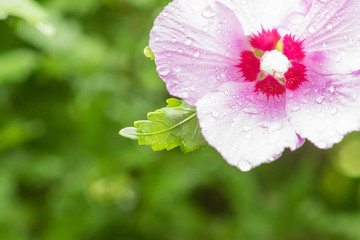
{"x":264,"y":75}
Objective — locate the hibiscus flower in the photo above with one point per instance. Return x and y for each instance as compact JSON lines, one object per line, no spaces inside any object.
{"x":264,"y":75}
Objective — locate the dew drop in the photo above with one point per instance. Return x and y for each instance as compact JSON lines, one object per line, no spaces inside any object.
{"x":253,"y":111}
{"x":295,"y":109}
{"x":188,"y":41}
{"x":163,"y":70}
{"x":311,"y":29}
{"x":332,"y":89}
{"x":306,"y":91}
{"x":244,"y":166}
{"x":329,"y":26}
{"x":208,"y":12}
{"x":290,"y":95}
{"x":196,"y":54}
{"x":320,"y":99}
{"x":246,"y":128}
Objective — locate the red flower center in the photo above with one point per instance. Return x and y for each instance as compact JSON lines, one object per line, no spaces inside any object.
{"x":275,"y":63}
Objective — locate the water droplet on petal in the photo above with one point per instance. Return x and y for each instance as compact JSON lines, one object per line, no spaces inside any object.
{"x":244,"y":166}
{"x":311,"y":29}
{"x":329,"y":26}
{"x":320,"y":99}
{"x":188,"y":41}
{"x":253,"y":111}
{"x":332,"y":89}
{"x":295,"y":109}
{"x":306,"y":91}
{"x":246,"y":128}
{"x":163,"y":70}
{"x":196,"y":54}
{"x":208,"y":12}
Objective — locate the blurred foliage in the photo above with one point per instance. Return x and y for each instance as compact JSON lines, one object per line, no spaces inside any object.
{"x":66,"y":174}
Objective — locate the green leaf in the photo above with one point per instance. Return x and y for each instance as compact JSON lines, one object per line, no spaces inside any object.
{"x":29,"y":10}
{"x":169,"y":127}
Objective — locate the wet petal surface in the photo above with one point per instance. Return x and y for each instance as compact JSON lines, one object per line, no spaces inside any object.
{"x":246,"y":128}
{"x":326,"y":108}
{"x":197,"y":47}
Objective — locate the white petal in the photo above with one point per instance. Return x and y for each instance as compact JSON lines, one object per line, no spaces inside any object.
{"x":255,"y":14}
{"x":197,"y":46}
{"x":332,"y":36}
{"x":245,"y":127}
{"x":325,"y":108}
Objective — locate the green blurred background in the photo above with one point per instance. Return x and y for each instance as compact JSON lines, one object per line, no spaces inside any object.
{"x":66,"y":174}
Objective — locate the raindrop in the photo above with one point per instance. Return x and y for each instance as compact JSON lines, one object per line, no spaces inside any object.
{"x":311,"y":29}
{"x":163,"y":70}
{"x":276,"y":126}
{"x":253,"y":111}
{"x":295,"y":109}
{"x":306,"y":91}
{"x":290,"y":95}
{"x":263,"y":124}
{"x":246,"y":128}
{"x":208,"y":12}
{"x":320,"y":99}
{"x":196,"y":54}
{"x":332,"y":89}
{"x":329,"y":26}
{"x":244,"y":166}
{"x":165,"y":14}
{"x":188,"y":41}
